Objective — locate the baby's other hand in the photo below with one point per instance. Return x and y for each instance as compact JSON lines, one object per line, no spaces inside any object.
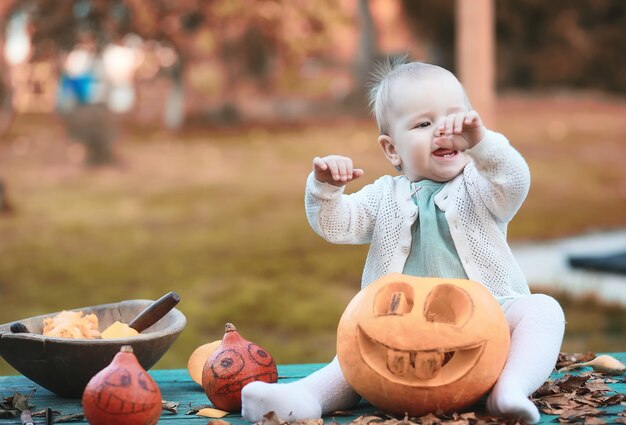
{"x":335,"y":169}
{"x":467,"y":125}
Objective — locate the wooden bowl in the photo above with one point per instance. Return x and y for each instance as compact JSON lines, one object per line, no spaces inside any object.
{"x":65,"y":366}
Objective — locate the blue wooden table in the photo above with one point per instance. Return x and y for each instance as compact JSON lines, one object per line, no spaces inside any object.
{"x":177,"y":386}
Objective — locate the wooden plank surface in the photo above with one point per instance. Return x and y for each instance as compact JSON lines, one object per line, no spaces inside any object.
{"x":177,"y":386}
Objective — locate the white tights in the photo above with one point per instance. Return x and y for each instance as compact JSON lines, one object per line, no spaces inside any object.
{"x":537,"y":325}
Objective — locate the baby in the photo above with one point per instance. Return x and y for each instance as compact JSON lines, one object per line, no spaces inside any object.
{"x":446,"y":216}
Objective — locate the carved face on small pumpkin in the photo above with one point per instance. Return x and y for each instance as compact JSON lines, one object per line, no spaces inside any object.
{"x":418,"y":345}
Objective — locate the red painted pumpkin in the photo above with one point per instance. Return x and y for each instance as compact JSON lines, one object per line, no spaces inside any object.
{"x":419,"y":345}
{"x":122,"y":394}
{"x":233,"y":365}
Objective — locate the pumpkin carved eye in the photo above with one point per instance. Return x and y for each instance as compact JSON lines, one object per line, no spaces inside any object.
{"x":448,"y":304}
{"x":394,"y":299}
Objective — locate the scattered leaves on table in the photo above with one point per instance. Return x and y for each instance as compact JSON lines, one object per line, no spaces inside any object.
{"x":379,"y":418}
{"x":271,"y":418}
{"x":13,"y":406}
{"x":577,"y":398}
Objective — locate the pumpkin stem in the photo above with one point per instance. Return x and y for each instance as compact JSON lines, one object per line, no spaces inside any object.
{"x":126,"y":349}
{"x":229,"y":327}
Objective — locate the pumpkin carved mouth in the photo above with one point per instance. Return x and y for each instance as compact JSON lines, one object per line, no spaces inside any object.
{"x":418,"y":368}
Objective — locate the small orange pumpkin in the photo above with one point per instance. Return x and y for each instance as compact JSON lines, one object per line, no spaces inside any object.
{"x":122,"y":394}
{"x":233,"y":365}
{"x":418,"y":345}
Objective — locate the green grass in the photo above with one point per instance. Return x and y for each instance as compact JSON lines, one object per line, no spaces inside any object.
{"x":218,"y":217}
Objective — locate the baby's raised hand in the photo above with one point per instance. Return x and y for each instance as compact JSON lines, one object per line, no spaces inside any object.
{"x":335,"y":169}
{"x":459,"y":131}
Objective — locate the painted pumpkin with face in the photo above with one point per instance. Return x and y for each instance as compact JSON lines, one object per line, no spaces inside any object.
{"x":233,"y":365}
{"x":419,"y":345}
{"x":122,"y":393}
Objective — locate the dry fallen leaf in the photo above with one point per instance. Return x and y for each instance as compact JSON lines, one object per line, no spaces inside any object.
{"x":614,"y":399}
{"x":341,"y":413}
{"x":70,"y":418}
{"x":170,"y":406}
{"x":308,"y":422}
{"x":597,"y":386}
{"x":570,"y":383}
{"x":395,"y":421}
{"x":270,"y":418}
{"x":209,"y":412}
{"x":195,"y":409}
{"x":366,"y":420}
{"x":594,"y":421}
{"x":430,"y":419}
{"x":604,"y":364}
{"x":13,"y":406}
{"x":218,"y":422}
{"x":582,"y":412}
{"x":567,"y":359}
{"x":548,"y":388}
{"x":577,"y":398}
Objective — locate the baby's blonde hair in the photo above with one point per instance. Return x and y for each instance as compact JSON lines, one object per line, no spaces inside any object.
{"x":384,"y":74}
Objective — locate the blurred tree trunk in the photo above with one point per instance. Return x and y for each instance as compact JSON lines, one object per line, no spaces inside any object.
{"x":6,"y":92}
{"x":5,"y":206}
{"x":432,"y":22}
{"x":367,"y":51}
{"x":174,"y":112}
{"x":366,"y":55}
{"x":475,"y":53}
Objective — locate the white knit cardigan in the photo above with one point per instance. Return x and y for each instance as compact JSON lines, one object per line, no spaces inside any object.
{"x":478,"y":205}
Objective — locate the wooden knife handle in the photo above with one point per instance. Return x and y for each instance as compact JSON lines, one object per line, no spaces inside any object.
{"x":155,"y":311}
{"x":19,"y":328}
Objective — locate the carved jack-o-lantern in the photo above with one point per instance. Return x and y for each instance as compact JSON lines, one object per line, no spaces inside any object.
{"x":418,"y":345}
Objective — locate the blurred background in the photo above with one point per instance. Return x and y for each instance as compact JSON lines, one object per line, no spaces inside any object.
{"x":157,"y":145}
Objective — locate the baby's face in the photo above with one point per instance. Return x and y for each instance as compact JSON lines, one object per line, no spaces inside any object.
{"x":417,"y":104}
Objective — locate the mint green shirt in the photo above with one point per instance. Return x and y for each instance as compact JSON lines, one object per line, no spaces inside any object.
{"x":433,"y":253}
